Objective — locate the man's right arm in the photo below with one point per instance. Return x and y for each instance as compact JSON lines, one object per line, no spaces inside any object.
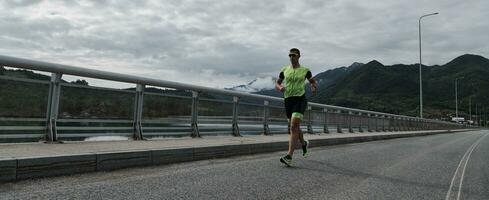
{"x":278,"y":84}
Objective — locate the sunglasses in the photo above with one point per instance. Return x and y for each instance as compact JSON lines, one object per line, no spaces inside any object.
{"x":293,"y":55}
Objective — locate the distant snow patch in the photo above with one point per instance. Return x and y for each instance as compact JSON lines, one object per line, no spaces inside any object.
{"x":259,"y":84}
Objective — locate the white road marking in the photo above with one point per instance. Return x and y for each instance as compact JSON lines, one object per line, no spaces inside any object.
{"x":465,"y":159}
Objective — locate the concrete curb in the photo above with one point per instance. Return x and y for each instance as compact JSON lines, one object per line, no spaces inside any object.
{"x":35,"y":167}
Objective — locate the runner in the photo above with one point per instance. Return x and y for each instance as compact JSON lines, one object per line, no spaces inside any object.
{"x":291,"y":83}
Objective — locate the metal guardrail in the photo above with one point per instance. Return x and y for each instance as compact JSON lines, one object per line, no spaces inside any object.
{"x":318,"y":117}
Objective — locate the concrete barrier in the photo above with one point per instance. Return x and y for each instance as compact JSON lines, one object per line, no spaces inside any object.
{"x":120,"y":160}
{"x":54,"y":166}
{"x":8,"y":170}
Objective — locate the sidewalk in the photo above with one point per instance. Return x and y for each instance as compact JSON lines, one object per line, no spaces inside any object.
{"x":32,"y":160}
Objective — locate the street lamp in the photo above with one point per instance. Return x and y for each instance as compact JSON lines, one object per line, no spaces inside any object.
{"x":476,"y":117}
{"x":420,"y":79}
{"x":470,"y":108}
{"x":456,"y":96}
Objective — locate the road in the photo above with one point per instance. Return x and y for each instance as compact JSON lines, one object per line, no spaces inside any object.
{"x":430,"y":167}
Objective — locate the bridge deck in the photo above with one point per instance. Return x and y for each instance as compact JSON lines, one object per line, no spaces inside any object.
{"x":22,"y":161}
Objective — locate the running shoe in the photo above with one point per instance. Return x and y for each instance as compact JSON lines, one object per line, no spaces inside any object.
{"x":287,"y":160}
{"x":305,"y":149}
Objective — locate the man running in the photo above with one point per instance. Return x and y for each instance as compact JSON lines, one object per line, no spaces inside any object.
{"x":293,"y":77}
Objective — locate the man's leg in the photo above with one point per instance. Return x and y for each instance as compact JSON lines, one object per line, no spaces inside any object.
{"x":295,"y":134}
{"x":288,"y":126}
{"x":301,"y":135}
{"x":289,"y":131}
{"x":296,"y":130}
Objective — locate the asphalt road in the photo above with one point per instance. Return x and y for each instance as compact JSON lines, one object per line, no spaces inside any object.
{"x":430,"y":167}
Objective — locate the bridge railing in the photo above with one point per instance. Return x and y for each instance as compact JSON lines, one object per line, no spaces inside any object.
{"x":176,"y":109}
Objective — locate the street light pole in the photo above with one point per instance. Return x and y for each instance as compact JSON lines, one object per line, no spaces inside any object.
{"x":420,"y":76}
{"x":470,"y":108}
{"x":456,"y":97}
{"x":482,"y":116}
{"x":476,"y":115}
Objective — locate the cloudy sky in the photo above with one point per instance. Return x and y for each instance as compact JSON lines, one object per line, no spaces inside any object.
{"x":230,"y":42}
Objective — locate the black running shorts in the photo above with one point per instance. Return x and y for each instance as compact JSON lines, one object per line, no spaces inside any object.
{"x":295,"y":106}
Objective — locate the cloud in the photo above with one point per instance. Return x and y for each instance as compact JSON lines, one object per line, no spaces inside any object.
{"x":20,"y":3}
{"x":227,"y":43}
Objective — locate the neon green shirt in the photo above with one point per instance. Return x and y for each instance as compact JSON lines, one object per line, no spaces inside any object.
{"x":294,"y":80}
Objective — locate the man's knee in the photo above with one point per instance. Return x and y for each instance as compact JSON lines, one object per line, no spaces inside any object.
{"x":295,"y":125}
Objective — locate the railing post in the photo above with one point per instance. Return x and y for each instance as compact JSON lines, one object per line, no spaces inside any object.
{"x":325,"y":127}
{"x":138,"y":113}
{"x":266,"y":113}
{"x":309,"y":120}
{"x":377,"y":123}
{"x":399,"y":123}
{"x":369,"y":127}
{"x":53,"y":107}
{"x":402,"y":124}
{"x":391,"y":127}
{"x":394,"y":124}
{"x":360,"y":119}
{"x":195,"y":114}
{"x":235,"y":116}
{"x":338,"y":126}
{"x":350,"y":116}
{"x":383,"y":123}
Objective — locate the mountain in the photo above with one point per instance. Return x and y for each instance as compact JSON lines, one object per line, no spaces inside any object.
{"x":22,"y":73}
{"x":367,"y":86}
{"x":329,"y":77}
{"x":395,"y":88}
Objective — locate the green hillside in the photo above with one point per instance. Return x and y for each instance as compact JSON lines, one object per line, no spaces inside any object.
{"x":395,"y":89}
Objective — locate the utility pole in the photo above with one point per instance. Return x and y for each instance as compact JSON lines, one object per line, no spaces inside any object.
{"x":479,"y":117}
{"x":482,"y":115}
{"x":476,"y":115}
{"x":470,"y":107}
{"x":456,"y":96}
{"x":485,"y":117}
{"x":420,"y":71}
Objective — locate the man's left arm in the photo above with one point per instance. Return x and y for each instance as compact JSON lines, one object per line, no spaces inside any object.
{"x":312,"y":81}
